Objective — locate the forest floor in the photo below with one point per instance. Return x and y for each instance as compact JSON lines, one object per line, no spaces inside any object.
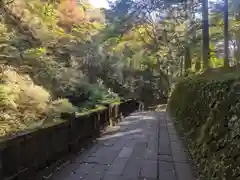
{"x":145,"y":146}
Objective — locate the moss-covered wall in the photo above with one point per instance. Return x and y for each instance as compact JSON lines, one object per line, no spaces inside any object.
{"x":208,"y":112}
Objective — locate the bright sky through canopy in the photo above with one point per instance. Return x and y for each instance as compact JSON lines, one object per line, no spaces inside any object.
{"x":104,"y":3}
{"x":99,"y":3}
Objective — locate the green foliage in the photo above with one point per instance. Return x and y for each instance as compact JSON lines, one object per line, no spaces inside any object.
{"x":207,"y":109}
{"x":68,"y":50}
{"x":97,"y":95}
{"x":60,"y":106}
{"x":49,"y":52}
{"x":22,"y":103}
{"x":214,"y":61}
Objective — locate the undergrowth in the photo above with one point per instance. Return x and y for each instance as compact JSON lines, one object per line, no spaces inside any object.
{"x":25,"y":105}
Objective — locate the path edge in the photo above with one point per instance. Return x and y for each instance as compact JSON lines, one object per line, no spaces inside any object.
{"x":194,"y":167}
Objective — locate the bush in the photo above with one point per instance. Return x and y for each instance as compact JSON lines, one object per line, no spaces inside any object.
{"x":99,"y":94}
{"x":60,"y":106}
{"x":208,"y":111}
{"x":24,"y":104}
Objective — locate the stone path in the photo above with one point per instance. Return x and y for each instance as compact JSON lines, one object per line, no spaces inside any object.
{"x":145,"y":146}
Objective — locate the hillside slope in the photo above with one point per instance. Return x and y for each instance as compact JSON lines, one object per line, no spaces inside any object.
{"x":43,"y":70}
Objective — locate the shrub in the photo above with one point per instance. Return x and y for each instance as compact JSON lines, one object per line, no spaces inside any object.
{"x":60,"y":106}
{"x":207,"y":109}
{"x":100,"y":94}
{"x":23,"y":104}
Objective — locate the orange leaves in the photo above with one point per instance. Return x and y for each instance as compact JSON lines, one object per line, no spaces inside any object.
{"x":70,"y":13}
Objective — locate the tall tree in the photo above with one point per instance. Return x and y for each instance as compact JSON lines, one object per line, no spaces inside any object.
{"x":226,"y":35}
{"x":205,"y":33}
{"x":236,"y":9}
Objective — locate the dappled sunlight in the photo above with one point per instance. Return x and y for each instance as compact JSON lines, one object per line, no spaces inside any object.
{"x":130,"y":122}
{"x":148,"y":118}
{"x":133,"y":117}
{"x":112,"y":129}
{"x":127,"y":122}
{"x":138,"y":118}
{"x":120,"y":134}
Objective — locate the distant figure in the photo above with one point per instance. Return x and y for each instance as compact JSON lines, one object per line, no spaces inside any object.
{"x":141,"y":106}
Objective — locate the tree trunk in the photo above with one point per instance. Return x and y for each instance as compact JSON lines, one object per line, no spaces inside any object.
{"x":237,"y":34}
{"x":181,"y":66}
{"x":187,"y":59}
{"x":205,"y":32}
{"x":187,"y":54}
{"x":197,"y":66}
{"x":226,"y":35}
